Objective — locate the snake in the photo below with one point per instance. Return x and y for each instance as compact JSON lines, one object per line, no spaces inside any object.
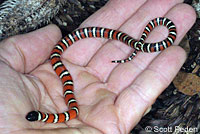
{"x":97,"y":32}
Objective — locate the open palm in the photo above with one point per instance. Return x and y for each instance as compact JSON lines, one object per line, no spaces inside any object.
{"x":112,"y":97}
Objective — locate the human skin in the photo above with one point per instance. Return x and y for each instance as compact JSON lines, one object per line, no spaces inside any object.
{"x":112,"y":97}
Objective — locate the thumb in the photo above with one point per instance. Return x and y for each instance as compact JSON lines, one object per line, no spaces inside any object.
{"x":27,"y":51}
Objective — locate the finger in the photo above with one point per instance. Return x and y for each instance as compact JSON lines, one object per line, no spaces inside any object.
{"x":112,"y":15}
{"x":132,"y":69}
{"x":134,"y":26}
{"x":25,"y":52}
{"x":157,"y":76}
{"x":136,"y":99}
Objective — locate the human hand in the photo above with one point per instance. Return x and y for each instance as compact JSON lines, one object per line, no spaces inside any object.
{"x":112,"y":97}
